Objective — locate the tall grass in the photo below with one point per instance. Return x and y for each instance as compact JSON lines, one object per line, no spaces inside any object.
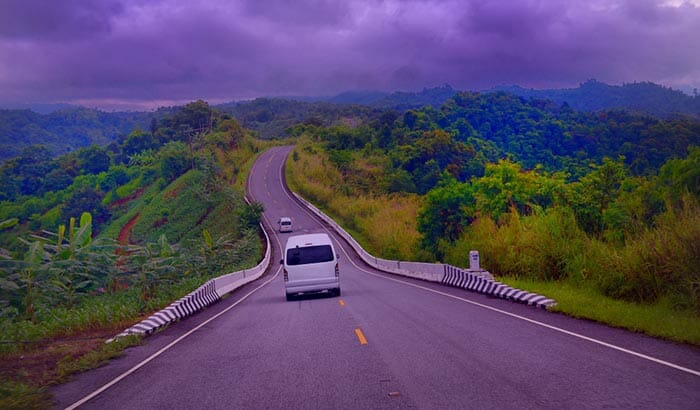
{"x":662,"y":263}
{"x":384,"y":225}
{"x":548,"y":246}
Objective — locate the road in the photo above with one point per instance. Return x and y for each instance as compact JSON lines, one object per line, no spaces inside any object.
{"x":387,"y":342}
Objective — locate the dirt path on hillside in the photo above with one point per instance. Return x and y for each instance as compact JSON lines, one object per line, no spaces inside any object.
{"x":125,"y":233}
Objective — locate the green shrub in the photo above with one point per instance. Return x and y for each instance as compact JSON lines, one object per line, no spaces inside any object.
{"x":662,"y":262}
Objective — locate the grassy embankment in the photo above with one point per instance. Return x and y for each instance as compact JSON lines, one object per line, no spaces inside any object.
{"x":560,"y":262}
{"x":383,"y":225}
{"x":62,"y":341}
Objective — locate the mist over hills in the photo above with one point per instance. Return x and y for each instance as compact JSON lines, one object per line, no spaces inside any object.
{"x":64,"y":128}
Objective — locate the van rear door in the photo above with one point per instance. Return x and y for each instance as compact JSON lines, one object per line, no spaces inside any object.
{"x":311,"y":262}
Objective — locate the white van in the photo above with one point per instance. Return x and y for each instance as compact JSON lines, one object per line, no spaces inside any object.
{"x":310,"y":265}
{"x":285,"y":224}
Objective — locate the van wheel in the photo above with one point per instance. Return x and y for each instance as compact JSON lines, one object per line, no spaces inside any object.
{"x":290,"y":297}
{"x":337,"y":291}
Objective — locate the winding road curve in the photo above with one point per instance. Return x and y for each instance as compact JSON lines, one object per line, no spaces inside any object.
{"x":388,"y":342}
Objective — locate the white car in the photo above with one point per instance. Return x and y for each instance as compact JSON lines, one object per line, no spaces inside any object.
{"x":285,"y":224}
{"x":310,"y":265}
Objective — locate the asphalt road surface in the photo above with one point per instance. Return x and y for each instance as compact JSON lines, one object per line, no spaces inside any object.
{"x":387,"y":342}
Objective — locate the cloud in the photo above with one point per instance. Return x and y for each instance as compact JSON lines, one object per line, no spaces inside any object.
{"x":55,"y":21}
{"x":167,"y":50}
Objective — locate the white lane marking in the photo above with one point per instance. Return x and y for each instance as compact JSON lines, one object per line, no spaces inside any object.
{"x":538,"y":323}
{"x":513,"y":315}
{"x":161,"y":351}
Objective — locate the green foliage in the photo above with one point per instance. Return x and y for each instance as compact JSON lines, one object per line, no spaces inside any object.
{"x":250,"y":215}
{"x":94,"y":159}
{"x":174,"y":160}
{"x":20,"y":396}
{"x":660,"y":319}
{"x":42,"y":274}
{"x":682,"y":175}
{"x":596,"y":192}
{"x":52,"y":270}
{"x":8,"y":223}
{"x":85,"y":199}
{"x":661,"y":262}
{"x":138,"y":141}
{"x":64,"y":130}
{"x":276,"y":118}
{"x":448,"y":209}
{"x":594,"y":95}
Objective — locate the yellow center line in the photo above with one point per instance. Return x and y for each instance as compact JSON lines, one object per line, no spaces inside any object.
{"x":361,"y":336}
{"x":341,"y":302}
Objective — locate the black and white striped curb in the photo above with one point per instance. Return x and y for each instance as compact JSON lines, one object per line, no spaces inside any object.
{"x":204,"y":296}
{"x":465,"y":279}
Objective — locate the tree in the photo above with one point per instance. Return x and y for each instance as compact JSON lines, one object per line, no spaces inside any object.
{"x":86,"y":199}
{"x":138,"y":141}
{"x":596,"y":191}
{"x":173,"y":160}
{"x":447,"y":210}
{"x":681,"y":175}
{"x":94,"y":159}
{"x":250,"y":215}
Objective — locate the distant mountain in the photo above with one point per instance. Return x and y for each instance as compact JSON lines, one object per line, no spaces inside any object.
{"x":593,"y":95}
{"x":357,"y":97}
{"x":41,"y":108}
{"x":400,"y":100}
{"x":271,"y":117}
{"x":64,"y":130}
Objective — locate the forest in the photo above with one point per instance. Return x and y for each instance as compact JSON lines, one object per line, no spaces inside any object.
{"x":607,"y":200}
{"x":64,"y":128}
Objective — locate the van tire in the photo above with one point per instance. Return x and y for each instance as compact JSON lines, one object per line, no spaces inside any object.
{"x":337,"y":291}
{"x":290,"y":297}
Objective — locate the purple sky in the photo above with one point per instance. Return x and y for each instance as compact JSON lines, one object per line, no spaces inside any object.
{"x":146,"y":53}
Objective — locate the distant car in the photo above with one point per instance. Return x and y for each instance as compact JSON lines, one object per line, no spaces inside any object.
{"x":285,"y":224}
{"x":310,"y":265}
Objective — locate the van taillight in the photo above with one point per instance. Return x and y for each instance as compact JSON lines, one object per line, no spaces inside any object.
{"x":337,"y":271}
{"x":286,"y":276}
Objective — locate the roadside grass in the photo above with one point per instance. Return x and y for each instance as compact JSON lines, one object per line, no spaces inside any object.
{"x":106,"y":351}
{"x":59,"y":361}
{"x":657,"y":320}
{"x":21,"y":396}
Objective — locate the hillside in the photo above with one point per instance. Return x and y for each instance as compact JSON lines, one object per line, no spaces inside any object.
{"x":65,"y":130}
{"x":399,"y":100}
{"x":593,"y":95}
{"x":272,"y":117}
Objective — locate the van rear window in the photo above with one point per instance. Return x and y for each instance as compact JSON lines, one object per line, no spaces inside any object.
{"x":309,"y":254}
